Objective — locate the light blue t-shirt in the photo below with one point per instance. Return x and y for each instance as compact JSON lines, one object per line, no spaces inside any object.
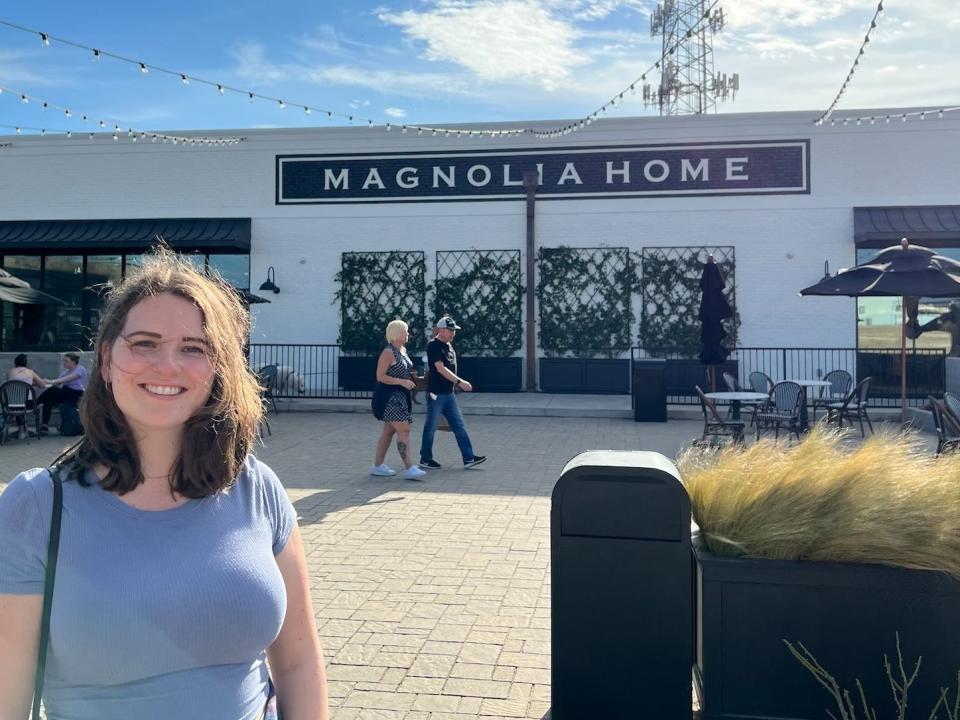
{"x":156,"y":615}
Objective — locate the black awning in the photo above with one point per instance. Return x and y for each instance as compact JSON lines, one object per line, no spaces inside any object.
{"x":86,"y":235}
{"x":930,"y":225}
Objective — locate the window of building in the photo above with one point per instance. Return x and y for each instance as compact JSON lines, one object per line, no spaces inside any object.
{"x":82,"y":282}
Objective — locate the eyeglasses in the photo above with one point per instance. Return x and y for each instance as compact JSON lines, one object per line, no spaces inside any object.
{"x":149,"y":348}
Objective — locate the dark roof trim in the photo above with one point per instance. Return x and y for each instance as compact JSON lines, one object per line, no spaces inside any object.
{"x":87,"y":235}
{"x":931,"y":225}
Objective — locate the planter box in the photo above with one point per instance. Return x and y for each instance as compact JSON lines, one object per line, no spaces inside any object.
{"x":357,"y":372}
{"x":845,"y":614}
{"x":492,"y":374}
{"x":682,"y":374}
{"x":585,"y":375}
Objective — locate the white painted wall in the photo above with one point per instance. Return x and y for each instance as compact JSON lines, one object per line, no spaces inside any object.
{"x":912,"y":163}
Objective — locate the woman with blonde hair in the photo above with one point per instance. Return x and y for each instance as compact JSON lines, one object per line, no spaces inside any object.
{"x":180,"y":568}
{"x":392,"y":402}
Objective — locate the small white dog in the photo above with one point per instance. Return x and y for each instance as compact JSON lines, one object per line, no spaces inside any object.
{"x":289,"y":381}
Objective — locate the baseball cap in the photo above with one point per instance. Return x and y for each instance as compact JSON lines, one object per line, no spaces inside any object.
{"x":447,"y":323}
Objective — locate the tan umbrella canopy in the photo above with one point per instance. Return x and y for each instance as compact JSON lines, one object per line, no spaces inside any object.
{"x":19,"y":292}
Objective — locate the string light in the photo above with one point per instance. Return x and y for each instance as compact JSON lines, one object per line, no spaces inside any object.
{"x":44,"y":40}
{"x":144,"y":69}
{"x":131,"y":132}
{"x":184,"y":79}
{"x":904,"y":116}
{"x":856,"y":63}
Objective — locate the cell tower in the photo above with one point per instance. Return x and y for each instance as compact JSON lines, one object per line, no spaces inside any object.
{"x":687,"y":81}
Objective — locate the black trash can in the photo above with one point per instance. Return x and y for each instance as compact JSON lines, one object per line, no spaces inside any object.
{"x":622,"y":589}
{"x":649,"y":390}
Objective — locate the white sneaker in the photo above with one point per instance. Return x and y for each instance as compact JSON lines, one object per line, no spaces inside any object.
{"x":383,"y":470}
{"x":413,"y":473}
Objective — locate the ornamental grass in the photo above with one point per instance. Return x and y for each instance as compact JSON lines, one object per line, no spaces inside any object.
{"x":886,"y":500}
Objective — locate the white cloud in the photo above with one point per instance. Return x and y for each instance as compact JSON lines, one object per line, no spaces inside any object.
{"x":395,"y":112}
{"x":253,"y":66}
{"x":497,"y":40}
{"x":772,"y":14}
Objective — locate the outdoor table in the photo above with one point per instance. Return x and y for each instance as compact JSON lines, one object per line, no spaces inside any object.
{"x":735,"y":398}
{"x":808,"y":383}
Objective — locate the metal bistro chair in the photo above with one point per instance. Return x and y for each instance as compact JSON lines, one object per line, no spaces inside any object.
{"x":18,"y":401}
{"x":759,"y":382}
{"x":783,"y":410}
{"x":714,"y":426}
{"x":267,"y":377}
{"x":853,"y":407}
{"x":840,"y":383}
{"x":951,"y":404}
{"x":947,"y":427}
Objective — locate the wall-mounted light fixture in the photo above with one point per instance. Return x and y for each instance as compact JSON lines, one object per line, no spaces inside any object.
{"x":270,"y":284}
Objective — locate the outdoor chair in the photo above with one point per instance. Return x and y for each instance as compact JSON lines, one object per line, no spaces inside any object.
{"x":267,"y":377}
{"x":759,"y":382}
{"x":783,"y":410}
{"x":18,"y":402}
{"x":853,"y":407}
{"x":951,"y":404}
{"x":947,"y":427}
{"x":840,"y":383}
{"x":714,"y":426}
{"x":731,"y":382}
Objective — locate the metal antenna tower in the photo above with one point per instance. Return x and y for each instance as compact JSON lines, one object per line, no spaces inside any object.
{"x":687,"y":81}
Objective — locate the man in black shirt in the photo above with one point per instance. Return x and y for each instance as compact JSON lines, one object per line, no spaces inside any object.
{"x":443,"y":380}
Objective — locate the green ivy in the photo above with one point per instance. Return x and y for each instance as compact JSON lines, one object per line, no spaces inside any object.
{"x":375,"y":288}
{"x":484,"y":295}
{"x":670,"y":298}
{"x":585,"y":301}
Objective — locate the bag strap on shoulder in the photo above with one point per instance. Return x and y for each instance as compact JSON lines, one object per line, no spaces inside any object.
{"x":53,"y":548}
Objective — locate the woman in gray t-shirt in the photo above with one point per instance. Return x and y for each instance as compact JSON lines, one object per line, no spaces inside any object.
{"x":181,"y":569}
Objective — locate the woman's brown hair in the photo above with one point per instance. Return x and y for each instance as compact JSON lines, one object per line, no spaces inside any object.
{"x":218,"y":437}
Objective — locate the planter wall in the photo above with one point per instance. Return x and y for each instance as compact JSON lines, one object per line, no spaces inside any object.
{"x":357,"y":372}
{"x":845,"y":614}
{"x":492,"y":374}
{"x":596,"y":376}
{"x":680,"y":375}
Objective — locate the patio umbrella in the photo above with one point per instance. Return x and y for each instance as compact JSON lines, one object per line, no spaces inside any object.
{"x":19,"y":292}
{"x":714,"y":309}
{"x":903,"y":270}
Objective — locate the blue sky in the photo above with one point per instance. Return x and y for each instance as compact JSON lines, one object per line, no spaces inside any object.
{"x":450,"y":61}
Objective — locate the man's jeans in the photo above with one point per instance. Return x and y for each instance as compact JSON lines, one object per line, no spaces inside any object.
{"x":446,"y":404}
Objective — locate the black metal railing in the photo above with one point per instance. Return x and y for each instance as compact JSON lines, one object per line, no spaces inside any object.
{"x":926,"y":370}
{"x":315,"y":371}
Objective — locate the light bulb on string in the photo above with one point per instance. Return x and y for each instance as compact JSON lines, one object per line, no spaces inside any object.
{"x":940,"y":114}
{"x":96,"y":55}
{"x":282,"y":104}
{"x":24,"y":99}
{"x":66,"y":112}
{"x":144,"y":69}
{"x":69,"y":134}
{"x":18,"y":131}
{"x":250,"y":97}
{"x":184,"y":79}
{"x":44,"y":40}
{"x":102,"y":124}
{"x":306,"y":110}
{"x":220,"y":88}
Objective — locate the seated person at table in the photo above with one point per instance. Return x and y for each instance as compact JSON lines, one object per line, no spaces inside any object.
{"x":21,"y":372}
{"x":68,"y":388}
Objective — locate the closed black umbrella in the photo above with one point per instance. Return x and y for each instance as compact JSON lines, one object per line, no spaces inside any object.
{"x":903,"y":270}
{"x":714,"y":309}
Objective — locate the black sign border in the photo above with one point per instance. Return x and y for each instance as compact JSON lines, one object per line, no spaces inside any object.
{"x":804,"y":143}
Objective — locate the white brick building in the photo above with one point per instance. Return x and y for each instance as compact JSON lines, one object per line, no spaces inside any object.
{"x":781,"y":237}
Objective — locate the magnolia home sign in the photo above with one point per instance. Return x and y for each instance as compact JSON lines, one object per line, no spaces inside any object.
{"x":743,"y":168}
